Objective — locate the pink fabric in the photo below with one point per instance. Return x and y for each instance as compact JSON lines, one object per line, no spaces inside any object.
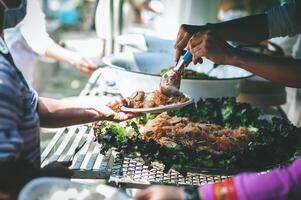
{"x":277,"y":184}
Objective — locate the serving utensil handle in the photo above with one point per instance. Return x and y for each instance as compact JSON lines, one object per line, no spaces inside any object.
{"x":184,"y":60}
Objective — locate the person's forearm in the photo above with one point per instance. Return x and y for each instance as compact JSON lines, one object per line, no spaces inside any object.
{"x":248,"y":30}
{"x":281,"y":70}
{"x":55,"y":114}
{"x":59,"y":53}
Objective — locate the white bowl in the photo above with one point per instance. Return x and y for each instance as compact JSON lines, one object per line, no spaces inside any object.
{"x":140,"y":71}
{"x":61,"y":188}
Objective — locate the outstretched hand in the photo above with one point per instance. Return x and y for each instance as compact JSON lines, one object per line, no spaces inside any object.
{"x":112,"y":111}
{"x":119,"y":115}
{"x":84,"y":64}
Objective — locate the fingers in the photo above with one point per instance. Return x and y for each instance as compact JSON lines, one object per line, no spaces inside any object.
{"x":116,"y":104}
{"x":90,"y":63}
{"x":86,"y":70}
{"x":117,"y":114}
{"x":197,"y":39}
{"x":181,"y":41}
{"x":181,"y":44}
{"x":196,"y":46}
{"x":197,"y":53}
{"x":199,"y":45}
{"x":123,"y":116}
{"x":112,"y":112}
{"x":86,"y":65}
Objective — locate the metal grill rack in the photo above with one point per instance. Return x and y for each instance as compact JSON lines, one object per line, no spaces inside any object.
{"x":132,"y":172}
{"x":90,"y":164}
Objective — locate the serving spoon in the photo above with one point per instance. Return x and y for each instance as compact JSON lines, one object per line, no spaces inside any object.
{"x":171,"y":80}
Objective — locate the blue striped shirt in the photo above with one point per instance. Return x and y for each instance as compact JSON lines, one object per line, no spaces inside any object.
{"x":19,"y":121}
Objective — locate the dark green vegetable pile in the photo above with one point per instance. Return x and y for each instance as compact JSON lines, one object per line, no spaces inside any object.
{"x":278,"y":140}
{"x":191,"y":74}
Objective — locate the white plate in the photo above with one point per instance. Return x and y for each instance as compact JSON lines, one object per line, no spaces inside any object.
{"x":158,"y":109}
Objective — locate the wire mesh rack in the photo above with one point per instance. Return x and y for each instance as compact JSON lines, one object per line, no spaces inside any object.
{"x":133,"y":172}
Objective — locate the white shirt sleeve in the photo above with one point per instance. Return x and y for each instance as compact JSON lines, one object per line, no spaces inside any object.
{"x":284,"y":20}
{"x":33,"y":28}
{"x":296,"y":51}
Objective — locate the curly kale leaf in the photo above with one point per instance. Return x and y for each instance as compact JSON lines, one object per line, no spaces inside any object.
{"x":225,"y":112}
{"x":143,"y":118}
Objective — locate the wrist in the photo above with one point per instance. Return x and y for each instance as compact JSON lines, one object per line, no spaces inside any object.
{"x":72,"y":57}
{"x":93,"y":114}
{"x":72,"y":60}
{"x":234,"y":57}
{"x":192,"y":29}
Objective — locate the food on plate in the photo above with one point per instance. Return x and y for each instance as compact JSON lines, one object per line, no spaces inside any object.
{"x":191,"y":74}
{"x":198,"y":137}
{"x":213,"y":134}
{"x":155,"y":99}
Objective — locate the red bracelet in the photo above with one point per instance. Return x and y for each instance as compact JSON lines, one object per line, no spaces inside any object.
{"x":225,"y":190}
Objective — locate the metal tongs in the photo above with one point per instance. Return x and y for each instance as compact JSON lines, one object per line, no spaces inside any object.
{"x":171,"y":80}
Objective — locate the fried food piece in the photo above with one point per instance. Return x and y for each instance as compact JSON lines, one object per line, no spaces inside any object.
{"x":156,"y":98}
{"x":149,"y":104}
{"x":160,"y":99}
{"x":136,"y":100}
{"x":138,"y":96}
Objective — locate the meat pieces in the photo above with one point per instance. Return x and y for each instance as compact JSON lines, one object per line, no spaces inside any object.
{"x":140,"y":100}
{"x":198,"y":137}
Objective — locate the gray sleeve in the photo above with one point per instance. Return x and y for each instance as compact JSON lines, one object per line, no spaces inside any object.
{"x":284,"y":20}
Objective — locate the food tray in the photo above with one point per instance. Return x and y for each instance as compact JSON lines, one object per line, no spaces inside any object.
{"x":133,"y":172}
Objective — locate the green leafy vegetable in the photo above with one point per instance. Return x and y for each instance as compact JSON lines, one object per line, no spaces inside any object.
{"x":278,"y":140}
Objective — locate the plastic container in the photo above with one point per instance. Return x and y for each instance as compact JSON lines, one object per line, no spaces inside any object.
{"x":60,"y":188}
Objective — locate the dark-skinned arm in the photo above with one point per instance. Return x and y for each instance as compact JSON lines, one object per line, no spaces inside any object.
{"x":282,"y":70}
{"x":280,"y":21}
{"x":248,"y":30}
